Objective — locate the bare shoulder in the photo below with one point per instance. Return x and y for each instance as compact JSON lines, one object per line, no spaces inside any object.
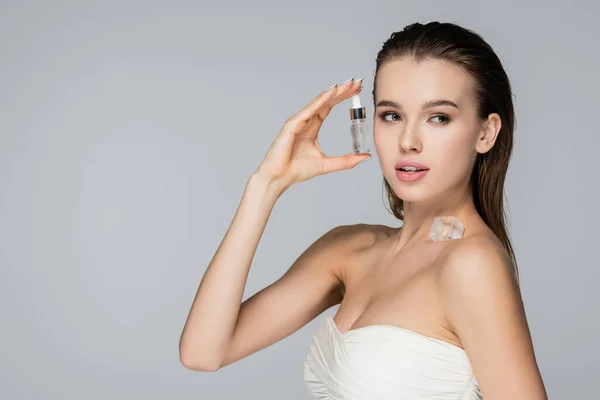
{"x":474,"y":273}
{"x":484,"y":308}
{"x":475,"y":277}
{"x":353,"y":244}
{"x":476,"y":257}
{"x":334,"y":250}
{"x":359,"y":236}
{"x":348,"y":241}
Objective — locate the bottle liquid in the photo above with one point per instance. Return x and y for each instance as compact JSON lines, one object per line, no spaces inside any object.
{"x":358,"y":126}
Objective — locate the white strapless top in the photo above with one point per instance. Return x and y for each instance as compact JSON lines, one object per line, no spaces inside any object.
{"x":385,"y":362}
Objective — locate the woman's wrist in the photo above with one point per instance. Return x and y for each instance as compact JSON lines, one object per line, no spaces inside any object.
{"x":270,"y":188}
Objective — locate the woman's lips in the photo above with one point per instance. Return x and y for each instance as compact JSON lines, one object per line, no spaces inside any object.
{"x":407,"y":163}
{"x":410,"y":176}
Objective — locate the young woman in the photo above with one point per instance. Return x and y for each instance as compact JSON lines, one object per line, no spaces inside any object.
{"x":431,"y":310}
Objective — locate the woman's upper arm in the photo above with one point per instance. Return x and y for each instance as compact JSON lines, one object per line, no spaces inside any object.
{"x":310,"y":286}
{"x":484,"y":308}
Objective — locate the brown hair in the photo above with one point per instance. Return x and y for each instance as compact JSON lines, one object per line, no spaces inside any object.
{"x":450,"y":42}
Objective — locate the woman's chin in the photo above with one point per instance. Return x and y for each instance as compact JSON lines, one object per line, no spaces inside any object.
{"x":412,"y":195}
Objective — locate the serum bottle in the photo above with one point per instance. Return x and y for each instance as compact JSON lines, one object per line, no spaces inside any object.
{"x":358,"y":126}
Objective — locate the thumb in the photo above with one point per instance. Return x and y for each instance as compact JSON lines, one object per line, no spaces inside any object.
{"x":347,"y":161}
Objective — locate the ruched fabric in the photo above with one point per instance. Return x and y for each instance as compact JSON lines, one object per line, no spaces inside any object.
{"x":385,"y":362}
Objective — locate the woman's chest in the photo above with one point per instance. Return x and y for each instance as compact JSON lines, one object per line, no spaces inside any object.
{"x":393,"y":289}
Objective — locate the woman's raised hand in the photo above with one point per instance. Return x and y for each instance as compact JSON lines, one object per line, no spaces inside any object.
{"x":295,"y":154}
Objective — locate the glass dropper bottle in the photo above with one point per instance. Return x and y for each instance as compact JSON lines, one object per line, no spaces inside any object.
{"x":358,"y":126}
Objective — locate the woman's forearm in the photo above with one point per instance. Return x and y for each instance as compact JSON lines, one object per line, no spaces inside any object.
{"x":214,"y":311}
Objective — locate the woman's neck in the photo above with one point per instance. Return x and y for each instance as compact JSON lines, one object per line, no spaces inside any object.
{"x":419,"y":216}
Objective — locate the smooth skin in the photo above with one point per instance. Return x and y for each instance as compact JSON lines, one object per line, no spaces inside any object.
{"x":461,"y":291}
{"x":219,"y":330}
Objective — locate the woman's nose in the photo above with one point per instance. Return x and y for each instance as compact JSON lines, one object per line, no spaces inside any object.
{"x":410,"y":140}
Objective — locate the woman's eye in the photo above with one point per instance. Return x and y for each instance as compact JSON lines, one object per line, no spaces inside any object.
{"x":444,"y":119}
{"x":394,"y":116}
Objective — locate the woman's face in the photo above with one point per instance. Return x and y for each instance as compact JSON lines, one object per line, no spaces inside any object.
{"x":444,"y":137}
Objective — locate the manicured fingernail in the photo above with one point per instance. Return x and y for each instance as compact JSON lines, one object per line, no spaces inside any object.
{"x":331,"y":87}
{"x":348,"y":80}
{"x":358,"y":80}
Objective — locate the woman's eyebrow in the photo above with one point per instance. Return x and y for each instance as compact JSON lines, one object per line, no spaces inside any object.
{"x":427,"y":104}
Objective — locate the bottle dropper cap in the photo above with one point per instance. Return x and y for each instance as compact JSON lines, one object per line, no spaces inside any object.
{"x":357,"y":111}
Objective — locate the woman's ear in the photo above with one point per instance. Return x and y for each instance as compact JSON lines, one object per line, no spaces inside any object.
{"x":490,"y":128}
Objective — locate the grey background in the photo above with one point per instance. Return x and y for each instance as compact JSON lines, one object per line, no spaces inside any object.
{"x":128,"y":130}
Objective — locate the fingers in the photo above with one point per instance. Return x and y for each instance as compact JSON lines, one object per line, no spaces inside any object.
{"x":324,"y":102}
{"x":347,"y":161}
{"x":345,"y":91}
